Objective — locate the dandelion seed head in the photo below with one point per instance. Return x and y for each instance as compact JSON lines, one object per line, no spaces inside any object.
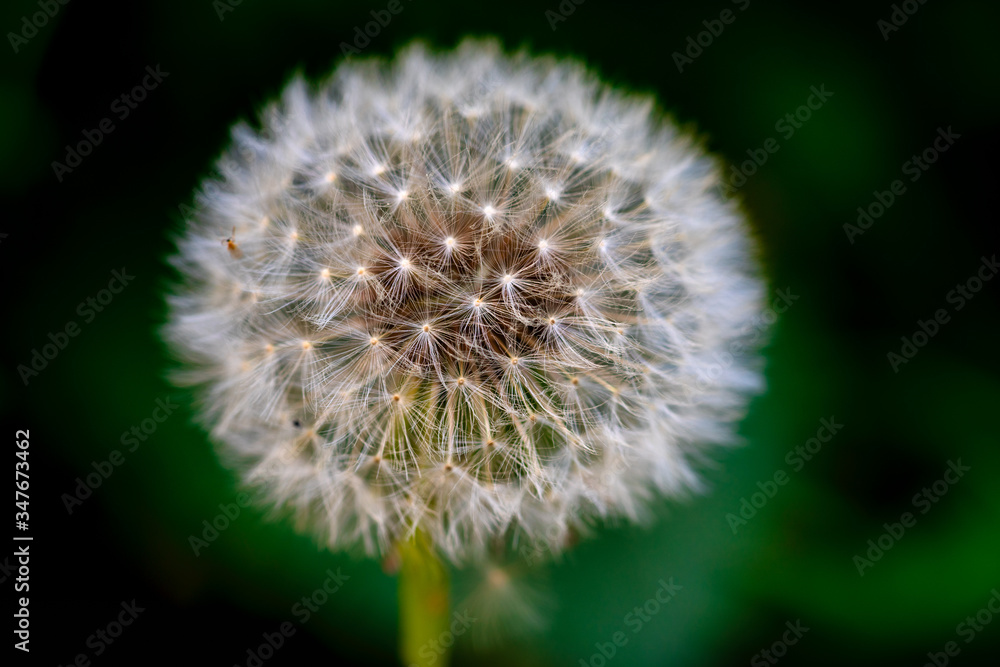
{"x":475,"y":375}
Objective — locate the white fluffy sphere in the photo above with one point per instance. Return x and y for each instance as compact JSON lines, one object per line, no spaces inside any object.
{"x":479,"y":295}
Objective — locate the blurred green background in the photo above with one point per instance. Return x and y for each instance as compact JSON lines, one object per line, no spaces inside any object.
{"x":793,"y":562}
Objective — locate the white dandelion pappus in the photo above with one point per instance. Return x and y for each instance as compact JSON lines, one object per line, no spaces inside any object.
{"x":484,"y":311}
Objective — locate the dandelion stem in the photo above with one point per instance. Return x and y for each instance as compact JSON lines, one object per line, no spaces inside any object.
{"x":423,"y":604}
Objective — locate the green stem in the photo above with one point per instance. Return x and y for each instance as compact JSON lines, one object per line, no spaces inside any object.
{"x":423,"y":604}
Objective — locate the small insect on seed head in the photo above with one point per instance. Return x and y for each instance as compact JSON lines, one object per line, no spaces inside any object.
{"x":234,"y":250}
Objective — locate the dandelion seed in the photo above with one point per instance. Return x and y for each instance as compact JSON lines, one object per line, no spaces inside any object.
{"x":469,"y":368}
